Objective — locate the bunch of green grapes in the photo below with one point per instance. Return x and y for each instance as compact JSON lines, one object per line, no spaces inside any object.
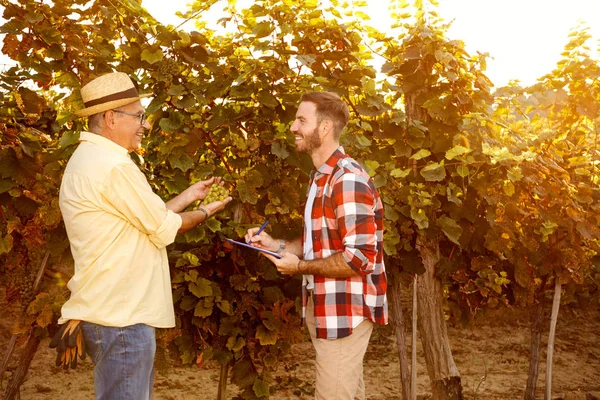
{"x":20,"y":287}
{"x":215,"y":193}
{"x":168,"y":68}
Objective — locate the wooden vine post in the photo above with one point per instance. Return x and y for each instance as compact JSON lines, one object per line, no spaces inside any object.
{"x":413,"y":379}
{"x":397,"y":321}
{"x":551,"y":337}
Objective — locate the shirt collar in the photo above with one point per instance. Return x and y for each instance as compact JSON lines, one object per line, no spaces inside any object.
{"x":331,"y":162}
{"x":102,"y":141}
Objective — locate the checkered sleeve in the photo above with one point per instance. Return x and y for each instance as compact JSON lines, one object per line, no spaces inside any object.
{"x":354,"y":201}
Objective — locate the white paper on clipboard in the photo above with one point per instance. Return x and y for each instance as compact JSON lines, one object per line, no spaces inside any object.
{"x":254,"y":248}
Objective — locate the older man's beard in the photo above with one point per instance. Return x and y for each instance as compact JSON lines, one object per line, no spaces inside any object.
{"x":311,"y":142}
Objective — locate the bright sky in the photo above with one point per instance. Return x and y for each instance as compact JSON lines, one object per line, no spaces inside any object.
{"x":524,"y":37}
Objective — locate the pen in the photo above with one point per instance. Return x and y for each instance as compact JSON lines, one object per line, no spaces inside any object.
{"x":262,"y":227}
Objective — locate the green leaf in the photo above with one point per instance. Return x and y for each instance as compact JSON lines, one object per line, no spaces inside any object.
{"x":187,"y":357}
{"x":156,"y":103}
{"x":29,"y":102}
{"x":380,"y":180}
{"x":5,"y":185}
{"x":547,"y":229}
{"x":434,"y":172}
{"x":50,"y":35}
{"x":515,"y":174}
{"x":260,"y":388}
{"x":270,"y":360}
{"x":391,"y":214}
{"x":270,"y":321}
{"x":235,"y":343}
{"x":177,"y":90}
{"x":239,"y":344}
{"x":266,"y":336}
{"x":152,"y":56}
{"x":576,"y":161}
{"x":222,"y":356}
{"x":390,"y":240}
{"x":192,"y":259}
{"x":415,"y":137}
{"x":243,"y":373}
{"x":363,"y":141}
{"x":306,"y":59}
{"x":272,"y":294}
{"x":421,"y":154}
{"x":55,"y":52}
{"x":204,"y":308}
{"x":213,"y":224}
{"x":185,"y":102}
{"x":266,"y":98}
{"x":247,"y":188}
{"x":279,"y":150}
{"x":173,"y":123}
{"x":450,"y":228}
{"x":69,"y":138}
{"x":420,"y":218}
{"x":262,"y":29}
{"x":509,"y":188}
{"x":6,"y":244}
{"x":400,"y":173}
{"x":457,"y":151}
{"x":454,"y":193}
{"x":462,"y":170}
{"x":187,"y":303}
{"x":176,"y":184}
{"x":181,"y":161}
{"x":202,"y":288}
{"x":67,"y":79}
{"x":371,"y":167}
{"x":225,"y":306}
{"x":30,"y":143}
{"x":195,"y":235}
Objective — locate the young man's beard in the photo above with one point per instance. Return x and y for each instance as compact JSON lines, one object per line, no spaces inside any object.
{"x":311,"y":142}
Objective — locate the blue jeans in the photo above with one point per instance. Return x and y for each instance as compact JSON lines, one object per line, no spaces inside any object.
{"x":123,"y":359}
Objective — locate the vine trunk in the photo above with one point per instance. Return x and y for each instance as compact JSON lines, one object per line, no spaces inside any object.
{"x":443,"y":373}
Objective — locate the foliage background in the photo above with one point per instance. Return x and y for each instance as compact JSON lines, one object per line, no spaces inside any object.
{"x":503,"y":182}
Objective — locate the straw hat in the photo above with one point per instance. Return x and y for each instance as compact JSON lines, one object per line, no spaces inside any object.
{"x":107,"y":92}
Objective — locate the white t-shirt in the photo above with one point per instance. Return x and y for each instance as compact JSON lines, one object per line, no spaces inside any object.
{"x":309,"y":280}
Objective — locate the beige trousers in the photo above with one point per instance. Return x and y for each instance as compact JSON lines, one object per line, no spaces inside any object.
{"x":339,"y":362}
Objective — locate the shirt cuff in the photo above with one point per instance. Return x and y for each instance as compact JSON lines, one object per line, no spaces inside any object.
{"x":358,"y":261}
{"x":165,"y":234}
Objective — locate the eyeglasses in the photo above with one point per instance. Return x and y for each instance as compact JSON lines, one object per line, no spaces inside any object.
{"x":141,"y":116}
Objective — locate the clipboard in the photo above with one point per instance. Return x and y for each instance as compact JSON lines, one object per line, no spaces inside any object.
{"x":276,"y":255}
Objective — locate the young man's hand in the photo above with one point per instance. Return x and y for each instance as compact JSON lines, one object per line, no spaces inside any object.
{"x":263,"y":240}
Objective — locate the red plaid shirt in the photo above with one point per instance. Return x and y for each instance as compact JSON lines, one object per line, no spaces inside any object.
{"x":347,"y":216}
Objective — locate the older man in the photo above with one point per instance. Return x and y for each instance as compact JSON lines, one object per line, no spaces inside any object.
{"x":118,"y":230}
{"x":340,"y":253}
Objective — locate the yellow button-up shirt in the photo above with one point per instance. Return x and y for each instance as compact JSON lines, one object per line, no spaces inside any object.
{"x":118,"y":230}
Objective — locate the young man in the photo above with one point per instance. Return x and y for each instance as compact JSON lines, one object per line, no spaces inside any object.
{"x":340,"y":253}
{"x":118,"y":230}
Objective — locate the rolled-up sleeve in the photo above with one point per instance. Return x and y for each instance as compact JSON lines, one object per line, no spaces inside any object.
{"x":354,"y":201}
{"x":132,"y":197}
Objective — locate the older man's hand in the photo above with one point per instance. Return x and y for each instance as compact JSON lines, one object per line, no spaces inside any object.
{"x":69,"y":344}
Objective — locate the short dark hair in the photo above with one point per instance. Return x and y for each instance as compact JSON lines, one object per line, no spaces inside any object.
{"x":329,"y":106}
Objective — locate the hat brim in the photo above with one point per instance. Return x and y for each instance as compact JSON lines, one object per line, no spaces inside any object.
{"x":109,"y":105}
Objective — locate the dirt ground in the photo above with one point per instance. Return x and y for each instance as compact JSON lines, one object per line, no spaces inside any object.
{"x":492,"y":357}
